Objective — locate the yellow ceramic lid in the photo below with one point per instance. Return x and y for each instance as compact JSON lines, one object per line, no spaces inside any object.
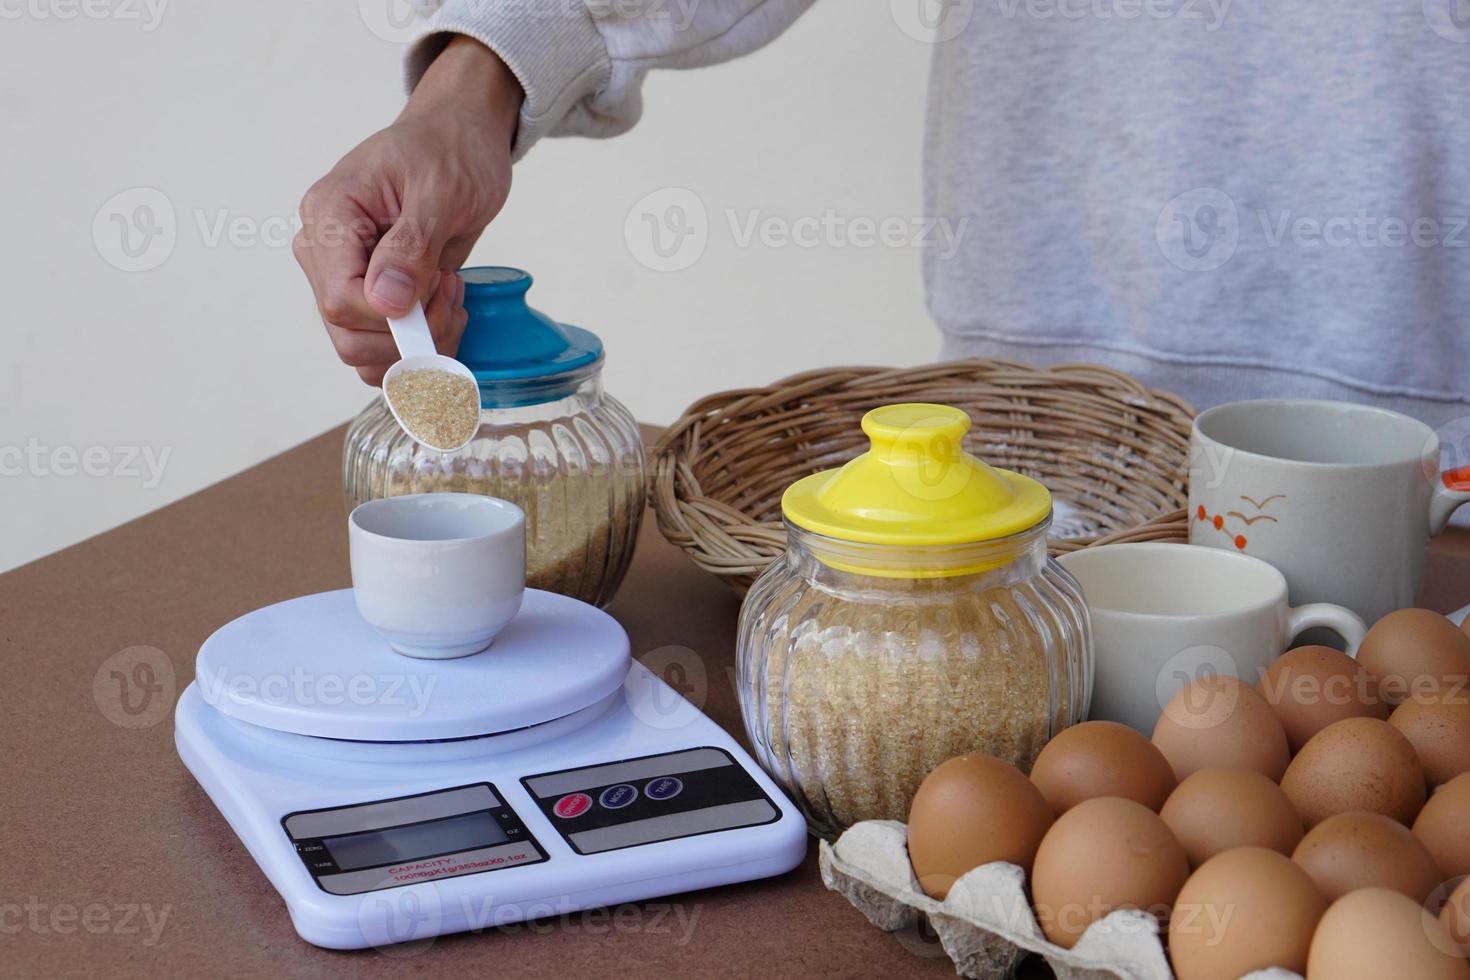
{"x":916,"y":486}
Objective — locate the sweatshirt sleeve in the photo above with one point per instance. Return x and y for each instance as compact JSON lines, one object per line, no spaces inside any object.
{"x":582,"y":62}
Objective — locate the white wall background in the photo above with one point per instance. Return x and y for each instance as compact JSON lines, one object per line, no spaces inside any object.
{"x":214,"y":359}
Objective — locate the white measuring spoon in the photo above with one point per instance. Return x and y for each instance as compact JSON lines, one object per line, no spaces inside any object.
{"x":417,"y":353}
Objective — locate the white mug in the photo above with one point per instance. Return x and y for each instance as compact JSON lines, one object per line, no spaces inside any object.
{"x":1342,"y":498}
{"x":1164,"y":615}
{"x":438,"y":574}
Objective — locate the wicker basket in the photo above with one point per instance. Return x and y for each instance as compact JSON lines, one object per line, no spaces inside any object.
{"x":1113,"y":452}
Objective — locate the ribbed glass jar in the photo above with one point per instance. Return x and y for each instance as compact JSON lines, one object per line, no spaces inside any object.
{"x":574,"y":464}
{"x":854,"y":685}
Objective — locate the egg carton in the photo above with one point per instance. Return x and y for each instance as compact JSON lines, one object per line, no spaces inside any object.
{"x":986,"y":924}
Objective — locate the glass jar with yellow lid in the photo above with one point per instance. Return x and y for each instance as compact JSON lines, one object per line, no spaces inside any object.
{"x":916,"y":616}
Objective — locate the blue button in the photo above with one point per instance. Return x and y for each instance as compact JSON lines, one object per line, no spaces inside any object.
{"x":664,"y":788}
{"x":619,"y":796}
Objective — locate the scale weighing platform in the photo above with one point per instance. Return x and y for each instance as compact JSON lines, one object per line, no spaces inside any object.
{"x":390,"y":799}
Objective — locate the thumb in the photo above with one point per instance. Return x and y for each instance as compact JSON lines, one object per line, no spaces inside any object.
{"x":404,"y":262}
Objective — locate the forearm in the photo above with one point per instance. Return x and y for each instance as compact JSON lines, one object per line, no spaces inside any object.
{"x":468,"y":75}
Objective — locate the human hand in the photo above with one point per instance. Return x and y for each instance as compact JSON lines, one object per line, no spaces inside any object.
{"x":397,"y":216}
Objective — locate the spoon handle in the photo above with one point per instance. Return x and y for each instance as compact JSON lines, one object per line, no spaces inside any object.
{"x":411,"y":333}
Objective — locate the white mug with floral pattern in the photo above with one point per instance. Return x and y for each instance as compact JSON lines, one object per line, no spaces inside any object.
{"x":1342,"y":498}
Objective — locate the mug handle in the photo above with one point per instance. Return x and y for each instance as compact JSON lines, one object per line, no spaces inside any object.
{"x":1344,"y":622}
{"x":1452,"y":490}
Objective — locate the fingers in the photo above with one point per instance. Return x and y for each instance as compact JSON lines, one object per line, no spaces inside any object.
{"x":363,"y":348}
{"x":373,"y":375}
{"x":403,"y":263}
{"x":373,"y":352}
{"x":374,"y":241}
{"x":446,"y":313}
{"x":363,"y":338}
{"x":457,"y":251}
{"x":333,"y":247}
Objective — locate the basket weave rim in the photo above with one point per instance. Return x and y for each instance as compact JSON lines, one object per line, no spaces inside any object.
{"x":724,"y":539}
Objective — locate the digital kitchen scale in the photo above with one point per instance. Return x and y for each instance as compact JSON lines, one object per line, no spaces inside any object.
{"x":390,"y":799}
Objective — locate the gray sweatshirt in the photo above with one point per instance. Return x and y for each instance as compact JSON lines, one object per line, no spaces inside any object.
{"x":1225,"y":199}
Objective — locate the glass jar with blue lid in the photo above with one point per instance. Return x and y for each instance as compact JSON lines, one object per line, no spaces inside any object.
{"x":550,"y":440}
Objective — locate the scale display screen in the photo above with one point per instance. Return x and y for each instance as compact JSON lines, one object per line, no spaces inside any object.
{"x":365,"y":847}
{"x":461,"y":833}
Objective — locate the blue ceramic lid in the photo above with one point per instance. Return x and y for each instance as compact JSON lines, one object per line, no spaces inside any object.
{"x":506,"y":340}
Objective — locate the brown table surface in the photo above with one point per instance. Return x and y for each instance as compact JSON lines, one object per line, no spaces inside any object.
{"x":116,"y":863}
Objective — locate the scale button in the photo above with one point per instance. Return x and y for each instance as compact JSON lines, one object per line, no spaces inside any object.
{"x":664,"y":788}
{"x":619,"y":796}
{"x":572,"y":805}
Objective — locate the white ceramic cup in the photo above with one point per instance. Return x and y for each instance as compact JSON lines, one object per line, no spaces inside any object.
{"x":438,"y":574}
{"x":1164,"y":615}
{"x":1342,"y":498}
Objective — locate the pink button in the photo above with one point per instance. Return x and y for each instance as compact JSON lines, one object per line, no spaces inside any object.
{"x":572,"y":805}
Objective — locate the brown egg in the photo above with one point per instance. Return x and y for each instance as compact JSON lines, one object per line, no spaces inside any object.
{"x":1415,"y":652}
{"x":1218,"y":722}
{"x":1355,"y":764}
{"x":1440,"y":733}
{"x":972,"y":810}
{"x":1104,"y":854}
{"x":1215,"y":810}
{"x":1455,"y":917}
{"x":1313,"y":686}
{"x":1443,"y":826}
{"x":1378,"y":934}
{"x":1102,"y":758}
{"x":1367,"y":850}
{"x":1244,"y":910}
